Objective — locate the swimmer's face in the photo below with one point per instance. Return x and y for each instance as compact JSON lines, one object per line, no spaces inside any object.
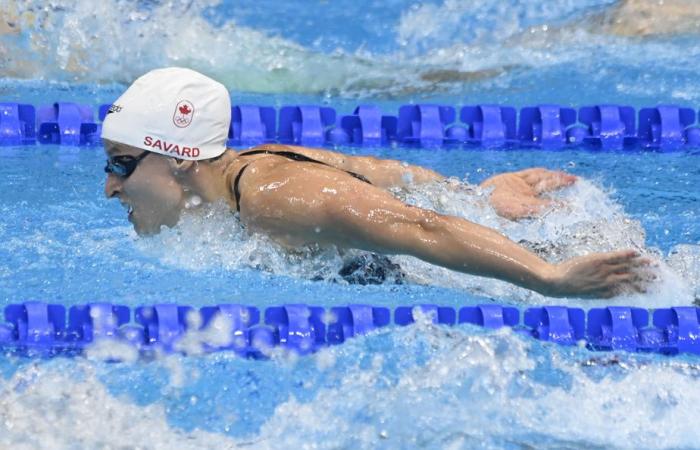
{"x":151,"y":193}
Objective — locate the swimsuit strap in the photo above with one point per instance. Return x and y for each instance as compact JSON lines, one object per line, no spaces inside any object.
{"x":236,"y":192}
{"x":289,"y":155}
{"x":302,"y":158}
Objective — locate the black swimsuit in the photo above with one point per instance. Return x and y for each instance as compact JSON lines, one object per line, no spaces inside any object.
{"x":290,"y":155}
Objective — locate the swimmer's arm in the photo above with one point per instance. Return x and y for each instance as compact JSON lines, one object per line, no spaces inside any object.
{"x":467,"y":247}
{"x":313,"y":208}
{"x":383,"y":173}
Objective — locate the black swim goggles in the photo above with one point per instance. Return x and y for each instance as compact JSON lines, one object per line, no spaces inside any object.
{"x":124,"y":165}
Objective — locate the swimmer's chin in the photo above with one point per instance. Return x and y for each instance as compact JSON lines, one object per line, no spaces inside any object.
{"x":149,"y":231}
{"x":146,"y":230}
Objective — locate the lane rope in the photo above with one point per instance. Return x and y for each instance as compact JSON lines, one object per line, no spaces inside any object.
{"x":664,"y":127}
{"x":37,"y":328}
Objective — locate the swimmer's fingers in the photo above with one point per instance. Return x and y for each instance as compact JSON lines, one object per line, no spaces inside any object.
{"x":535,"y":206}
{"x":545,"y":206}
{"x":639,"y":287}
{"x":640,"y":277}
{"x":628,"y":273}
{"x":533,"y":174}
{"x":611,"y":291}
{"x":629,"y":283}
{"x":554,"y":182}
{"x":620,"y":279}
{"x":543,"y":180}
{"x":626,"y":288}
{"x":633,"y":264}
{"x":515,"y":208}
{"x":637,"y":281}
{"x":618,"y":257}
{"x":600,"y":275}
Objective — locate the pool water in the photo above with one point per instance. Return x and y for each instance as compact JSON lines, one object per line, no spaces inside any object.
{"x":62,"y":241}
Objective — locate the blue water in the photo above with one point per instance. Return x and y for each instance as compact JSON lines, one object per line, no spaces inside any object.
{"x":422,"y":386}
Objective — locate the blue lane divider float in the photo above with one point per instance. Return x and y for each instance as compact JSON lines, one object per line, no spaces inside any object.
{"x":365,"y":127}
{"x":355,"y":320}
{"x":235,"y":322}
{"x":556,"y":324}
{"x":162,"y":324}
{"x":17,"y":124}
{"x":425,"y":125}
{"x":67,"y":124}
{"x":616,"y":328}
{"x":490,"y":316}
{"x":36,"y":325}
{"x":251,"y":125}
{"x":677,"y":329}
{"x":664,"y":127}
{"x":297,"y":327}
{"x":40,"y":329}
{"x":607,"y":126}
{"x":305,"y":124}
{"x":87,"y":323}
{"x":545,"y":125}
{"x":490,"y":125}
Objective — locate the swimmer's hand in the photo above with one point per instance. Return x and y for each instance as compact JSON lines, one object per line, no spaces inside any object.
{"x":516,"y":195}
{"x":600,"y":275}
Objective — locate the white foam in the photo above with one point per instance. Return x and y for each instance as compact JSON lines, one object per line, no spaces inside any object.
{"x":684,"y":259}
{"x":212,"y":238}
{"x":83,"y":41}
{"x":437,"y":47}
{"x":483,"y":21}
{"x":487,"y":391}
{"x":62,"y":405}
{"x":421,"y":385}
{"x":588,"y":220}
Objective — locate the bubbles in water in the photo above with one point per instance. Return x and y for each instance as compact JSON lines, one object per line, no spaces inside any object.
{"x":193,"y":202}
{"x":492,"y":390}
{"x":439,"y":47}
{"x":583,"y":220}
{"x":112,"y":350}
{"x":685,"y":261}
{"x":62,"y":405}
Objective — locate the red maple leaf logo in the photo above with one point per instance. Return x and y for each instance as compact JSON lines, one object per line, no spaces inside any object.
{"x":185,"y":110}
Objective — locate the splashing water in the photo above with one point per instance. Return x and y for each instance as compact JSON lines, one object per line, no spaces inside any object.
{"x":452,"y":47}
{"x":584,"y":220}
{"x":421,"y":385}
{"x":60,"y":406}
{"x":449,"y":388}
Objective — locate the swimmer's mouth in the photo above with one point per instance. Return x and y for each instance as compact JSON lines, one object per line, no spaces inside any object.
{"x":129,"y":208}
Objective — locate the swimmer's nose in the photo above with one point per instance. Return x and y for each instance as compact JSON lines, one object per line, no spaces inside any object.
{"x":113,"y":186}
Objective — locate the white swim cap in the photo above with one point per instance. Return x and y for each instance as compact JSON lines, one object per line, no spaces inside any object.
{"x":173,"y":111}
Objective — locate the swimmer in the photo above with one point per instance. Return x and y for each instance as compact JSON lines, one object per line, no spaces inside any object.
{"x":165,"y":140}
{"x":643,"y":18}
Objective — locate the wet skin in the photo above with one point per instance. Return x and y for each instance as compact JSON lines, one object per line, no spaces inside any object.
{"x":302,"y":203}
